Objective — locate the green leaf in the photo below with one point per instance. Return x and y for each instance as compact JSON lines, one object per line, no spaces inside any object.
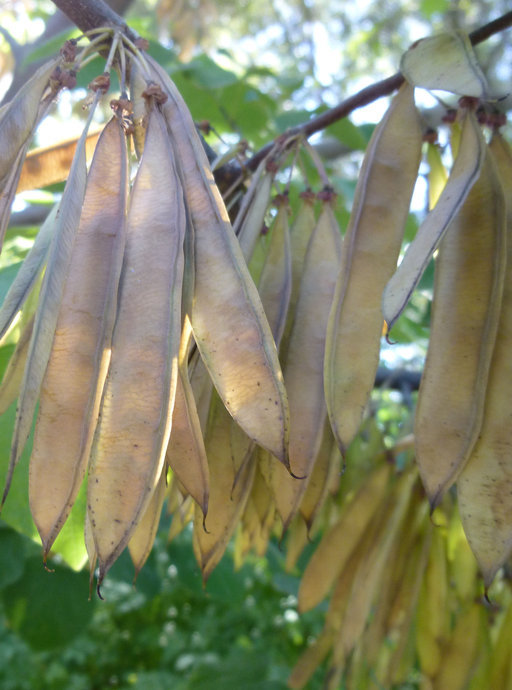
{"x":48,"y":609}
{"x":209,"y":74}
{"x":164,"y":56}
{"x":350,"y":135}
{"x":16,"y":511}
{"x":430,"y":7}
{"x":292,"y":118}
{"x":12,"y":556}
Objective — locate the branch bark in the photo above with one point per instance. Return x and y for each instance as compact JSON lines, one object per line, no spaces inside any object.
{"x":57,"y":23}
{"x":92,"y":14}
{"x":370,"y":93}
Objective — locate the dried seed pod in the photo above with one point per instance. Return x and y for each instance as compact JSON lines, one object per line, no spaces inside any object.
{"x":228,"y":321}
{"x":28,"y":274}
{"x":138,"y":397}
{"x":76,"y":369}
{"x":303,"y":374}
{"x":463,"y":175}
{"x":59,"y":257}
{"x":186,"y":454}
{"x":370,"y":251}
{"x":469,"y":278}
{"x":484,"y":487}
{"x":143,"y":538}
{"x":230,"y":485}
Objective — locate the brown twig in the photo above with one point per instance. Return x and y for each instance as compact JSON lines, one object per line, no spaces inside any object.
{"x":92,"y":14}
{"x":370,"y":93}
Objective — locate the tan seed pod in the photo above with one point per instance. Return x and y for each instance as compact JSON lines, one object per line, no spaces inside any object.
{"x":59,"y":256}
{"x":186,"y":454}
{"x":463,"y":175}
{"x":138,"y":397}
{"x":339,"y":542}
{"x":143,"y":538}
{"x":21,"y":116}
{"x":229,"y":491}
{"x":304,"y":362}
{"x":468,"y":287}
{"x":446,"y":61}
{"x":485,"y":485}
{"x":275,"y":282}
{"x":78,"y":361}
{"x":13,"y":375}
{"x":370,"y":250}
{"x":28,"y":274}
{"x":228,"y":321}
{"x":251,"y":216}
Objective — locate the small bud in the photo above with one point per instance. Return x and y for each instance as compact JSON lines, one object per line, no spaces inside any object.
{"x":100,"y":83}
{"x":155,"y":91}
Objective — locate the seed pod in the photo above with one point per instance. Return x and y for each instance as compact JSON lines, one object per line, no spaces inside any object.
{"x":388,"y":528}
{"x":370,"y":251}
{"x":468,"y":287}
{"x":57,"y":268}
{"x":13,"y":375}
{"x":339,"y":542}
{"x":228,"y":322}
{"x":138,"y":398}
{"x":8,"y":190}
{"x":484,"y":486}
{"x":275,"y":280}
{"x":304,"y":363}
{"x":437,"y":175}
{"x":228,"y":492}
{"x":28,"y":274}
{"x":250,"y":217}
{"x":327,"y":467}
{"x":73,"y":381}
{"x":19,"y":119}
{"x":300,"y":233}
{"x":446,"y":61}
{"x":143,"y":538}
{"x":186,"y":453}
{"x":140,"y":117}
{"x":463,"y":175}
{"x":21,"y":116}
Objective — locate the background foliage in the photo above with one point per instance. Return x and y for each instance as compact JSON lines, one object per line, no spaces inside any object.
{"x":275,"y":66}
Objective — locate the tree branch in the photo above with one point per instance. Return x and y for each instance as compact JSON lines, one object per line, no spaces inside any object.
{"x":92,"y":14}
{"x":57,"y":23}
{"x":369,"y":94}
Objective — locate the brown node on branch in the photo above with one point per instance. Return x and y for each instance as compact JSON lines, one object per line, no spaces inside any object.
{"x":100,"y":83}
{"x":62,"y":78}
{"x":123,"y":109}
{"x":68,"y":50}
{"x":155,"y":92}
{"x":469,"y":102}
{"x":327,"y":194}
{"x":281,"y":200}
{"x":204,"y":126}
{"x":450,"y":116}
{"x":482,"y":116}
{"x":271,"y":166}
{"x":430,"y":136}
{"x":122,"y":106}
{"x":308,"y":195}
{"x":141,"y":43}
{"x":496,"y":120}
